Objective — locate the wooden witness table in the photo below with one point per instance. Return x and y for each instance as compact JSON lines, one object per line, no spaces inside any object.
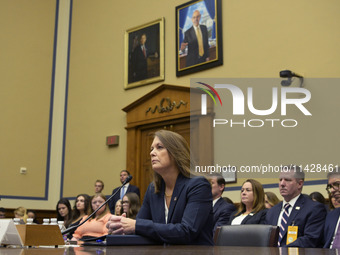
{"x":165,"y":250}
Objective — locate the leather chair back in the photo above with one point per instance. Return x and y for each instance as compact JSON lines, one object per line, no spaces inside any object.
{"x":247,"y":235}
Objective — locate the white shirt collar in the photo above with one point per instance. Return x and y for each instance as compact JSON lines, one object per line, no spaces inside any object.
{"x":291,"y":202}
{"x":215,"y":200}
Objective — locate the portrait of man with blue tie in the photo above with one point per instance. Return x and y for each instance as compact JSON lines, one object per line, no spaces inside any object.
{"x":144,"y":51}
{"x":300,"y":219}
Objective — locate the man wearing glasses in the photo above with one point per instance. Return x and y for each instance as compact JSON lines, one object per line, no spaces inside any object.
{"x":301,"y":220}
{"x":332,"y":237}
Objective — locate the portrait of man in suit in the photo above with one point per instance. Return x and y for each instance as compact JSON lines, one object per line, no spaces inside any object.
{"x":198,"y":36}
{"x":196,"y":40}
{"x":145,"y":54}
{"x":139,"y":59}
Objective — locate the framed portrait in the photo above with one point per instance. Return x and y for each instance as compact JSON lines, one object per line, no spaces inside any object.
{"x":144,"y":54}
{"x":198,"y":36}
{"x":230,"y":175}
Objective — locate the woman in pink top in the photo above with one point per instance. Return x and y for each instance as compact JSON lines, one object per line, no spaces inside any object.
{"x":96,"y":226}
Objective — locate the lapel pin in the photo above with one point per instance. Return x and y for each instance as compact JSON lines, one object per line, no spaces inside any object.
{"x":175,"y":198}
{"x":297,"y":207}
{"x":251,"y":214}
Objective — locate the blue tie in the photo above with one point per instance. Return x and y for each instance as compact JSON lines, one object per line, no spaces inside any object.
{"x":122,"y":193}
{"x":284,"y":223}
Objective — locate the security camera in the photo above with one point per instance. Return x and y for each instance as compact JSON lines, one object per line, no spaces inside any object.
{"x":289,"y":75}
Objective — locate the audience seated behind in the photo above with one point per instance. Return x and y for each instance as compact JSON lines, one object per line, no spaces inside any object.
{"x":318,"y":197}
{"x":118,"y":208}
{"x":96,"y":226}
{"x":270,"y":199}
{"x":221,"y":209}
{"x":228,"y":200}
{"x":332,"y":203}
{"x":98,"y":186}
{"x":252,"y":208}
{"x":21,"y":213}
{"x":82,"y":207}
{"x":127,"y":188}
{"x":64,"y":212}
{"x":31,"y":214}
{"x":2,"y":213}
{"x":307,"y":216}
{"x":130,"y":205}
{"x":332,"y":228}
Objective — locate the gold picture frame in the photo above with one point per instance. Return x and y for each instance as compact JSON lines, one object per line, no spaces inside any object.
{"x":144,"y":54}
{"x":207,"y":15}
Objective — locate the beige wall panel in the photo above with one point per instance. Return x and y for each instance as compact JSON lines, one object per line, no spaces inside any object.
{"x":259,"y":40}
{"x":27,"y":34}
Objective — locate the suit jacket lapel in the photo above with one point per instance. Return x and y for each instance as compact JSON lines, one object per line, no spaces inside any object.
{"x":180,"y":183}
{"x":217,"y":204}
{"x":296,"y":209}
{"x":249,"y":216}
{"x":276,"y":214}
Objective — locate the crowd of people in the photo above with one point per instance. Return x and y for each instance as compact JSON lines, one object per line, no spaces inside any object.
{"x":180,"y":208}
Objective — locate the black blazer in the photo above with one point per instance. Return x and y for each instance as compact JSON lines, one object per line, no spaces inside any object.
{"x":222,"y":212}
{"x":308,"y":215}
{"x":113,"y":201}
{"x":190,"y":218}
{"x":252,"y":218}
{"x":330,"y":226}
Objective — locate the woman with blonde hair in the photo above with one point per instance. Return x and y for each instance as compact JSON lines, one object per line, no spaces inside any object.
{"x":96,"y":225}
{"x":252,"y":208}
{"x":177,"y":209}
{"x":118,"y":207}
{"x":21,"y":213}
{"x":270,"y":199}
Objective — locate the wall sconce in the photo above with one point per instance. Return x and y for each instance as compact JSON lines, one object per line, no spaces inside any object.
{"x":289,"y":75}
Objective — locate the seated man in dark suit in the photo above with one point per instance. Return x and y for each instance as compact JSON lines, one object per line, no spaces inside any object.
{"x":221,"y":209}
{"x":125,"y":189}
{"x":298,"y":211}
{"x":331,"y":235}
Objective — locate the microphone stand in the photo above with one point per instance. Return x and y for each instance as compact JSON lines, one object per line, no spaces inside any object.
{"x":127,"y":180}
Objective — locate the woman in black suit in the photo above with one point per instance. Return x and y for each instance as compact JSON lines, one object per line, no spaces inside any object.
{"x":252,"y":208}
{"x":177,"y":209}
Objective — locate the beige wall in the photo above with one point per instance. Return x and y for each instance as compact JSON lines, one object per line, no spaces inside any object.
{"x":259,"y":40}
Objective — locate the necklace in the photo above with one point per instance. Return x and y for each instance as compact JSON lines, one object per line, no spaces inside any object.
{"x":167,"y":194}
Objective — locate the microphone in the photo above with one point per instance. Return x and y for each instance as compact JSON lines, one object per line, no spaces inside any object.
{"x":127,"y":180}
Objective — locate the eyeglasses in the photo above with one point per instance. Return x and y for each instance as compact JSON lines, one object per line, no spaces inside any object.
{"x":125,"y":202}
{"x":334,"y":186}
